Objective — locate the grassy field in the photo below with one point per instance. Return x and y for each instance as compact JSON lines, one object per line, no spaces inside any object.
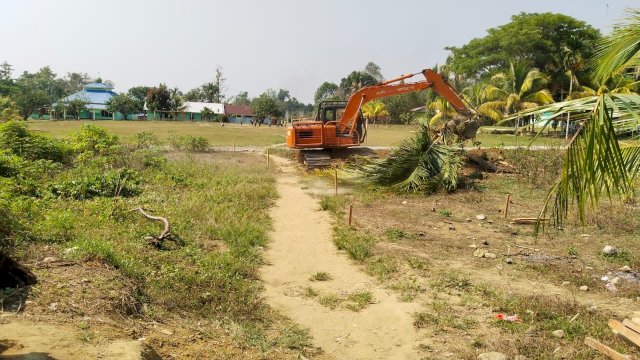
{"x":74,"y":203}
{"x":248,"y":135}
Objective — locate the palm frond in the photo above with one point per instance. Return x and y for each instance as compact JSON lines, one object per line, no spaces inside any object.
{"x":418,"y":164}
{"x":618,"y":51}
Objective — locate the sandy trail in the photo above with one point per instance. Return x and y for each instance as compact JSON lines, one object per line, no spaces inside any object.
{"x":301,"y":245}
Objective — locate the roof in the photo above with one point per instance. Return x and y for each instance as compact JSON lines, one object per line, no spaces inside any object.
{"x":98,"y":86}
{"x":242,"y":110}
{"x":197,"y":107}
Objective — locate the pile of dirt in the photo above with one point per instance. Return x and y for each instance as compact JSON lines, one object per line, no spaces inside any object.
{"x":13,"y":274}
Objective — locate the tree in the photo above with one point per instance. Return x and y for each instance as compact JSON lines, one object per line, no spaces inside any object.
{"x":374,"y":70}
{"x":139,"y":94}
{"x":29,"y":99}
{"x":207,"y":114}
{"x":514,"y":91}
{"x":159,"y":98}
{"x":219,"y":82}
{"x":326,"y":91}
{"x":241,"y":99}
{"x":194,"y":95}
{"x":122,"y":103}
{"x":375,"y":110}
{"x":74,"y":82}
{"x":7,"y":84}
{"x":355,"y":81}
{"x":536,"y":39}
{"x":443,"y":113}
{"x":265,"y":106}
{"x":398,"y":105}
{"x":283,"y":95}
{"x":176,"y":103}
{"x":210,"y":93}
{"x":618,"y":53}
{"x":76,"y":106}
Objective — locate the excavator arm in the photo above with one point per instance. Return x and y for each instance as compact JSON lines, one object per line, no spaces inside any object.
{"x":395,"y":87}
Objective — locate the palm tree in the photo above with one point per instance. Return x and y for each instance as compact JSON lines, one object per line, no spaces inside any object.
{"x":176,"y":104}
{"x":517,"y":90}
{"x":596,"y":165}
{"x":375,"y":110}
{"x":443,"y":113}
{"x":210,"y":92}
{"x":206,"y":113}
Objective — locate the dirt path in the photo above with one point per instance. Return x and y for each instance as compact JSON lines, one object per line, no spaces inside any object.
{"x":302,"y":245}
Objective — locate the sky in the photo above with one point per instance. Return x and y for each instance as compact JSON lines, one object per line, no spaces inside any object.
{"x":260,"y":44}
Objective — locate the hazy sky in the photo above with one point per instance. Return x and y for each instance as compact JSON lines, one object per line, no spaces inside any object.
{"x":293,"y":44}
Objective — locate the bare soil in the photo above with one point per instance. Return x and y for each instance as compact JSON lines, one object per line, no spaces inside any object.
{"x":301,"y":246}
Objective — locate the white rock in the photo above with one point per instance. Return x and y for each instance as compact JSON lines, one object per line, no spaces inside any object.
{"x":490,"y":255}
{"x":53,"y":306}
{"x":166,"y":332}
{"x":49,"y":259}
{"x":559,"y":334}
{"x":481,"y":217}
{"x":611,"y":287}
{"x":565,"y":283}
{"x":473,"y":246}
{"x":70,"y":250}
{"x":609,"y":250}
{"x":492,"y":356}
{"x":584,"y":288}
{"x":404,"y":202}
{"x":479,"y":253}
{"x":615,"y":281}
{"x":467,"y":219}
{"x":509,"y":260}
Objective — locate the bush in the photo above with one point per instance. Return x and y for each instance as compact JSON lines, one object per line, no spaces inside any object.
{"x":93,"y":139}
{"x":16,"y":139}
{"x":95,"y":182}
{"x":189,"y":143}
{"x":146,"y":140}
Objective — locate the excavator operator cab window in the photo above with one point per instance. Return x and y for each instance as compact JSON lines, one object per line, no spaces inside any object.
{"x":331,"y":111}
{"x":328,"y":115}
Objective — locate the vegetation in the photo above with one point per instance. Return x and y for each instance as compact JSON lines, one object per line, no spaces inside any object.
{"x":122,"y":103}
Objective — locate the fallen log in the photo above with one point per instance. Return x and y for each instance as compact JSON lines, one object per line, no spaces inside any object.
{"x":166,"y":232}
{"x":482,"y":163}
{"x":605,"y":350}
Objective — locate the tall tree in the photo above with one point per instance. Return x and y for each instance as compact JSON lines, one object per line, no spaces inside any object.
{"x":537,"y":39}
{"x":76,"y":106}
{"x":355,"y":81}
{"x":176,"y":102}
{"x":220,"y":85}
{"x":265,"y":106}
{"x":374,"y":70}
{"x":7,"y":84}
{"x":375,"y":110}
{"x":139,"y":93}
{"x":326,"y":91}
{"x":241,"y":99}
{"x":8,"y":110}
{"x":74,"y":82}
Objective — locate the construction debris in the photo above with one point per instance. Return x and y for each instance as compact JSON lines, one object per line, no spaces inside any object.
{"x":605,"y":350}
{"x":627,"y":333}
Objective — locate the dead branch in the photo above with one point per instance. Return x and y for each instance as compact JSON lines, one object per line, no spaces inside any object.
{"x":166,"y":233}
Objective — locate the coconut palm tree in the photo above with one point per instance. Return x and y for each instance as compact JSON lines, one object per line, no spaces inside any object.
{"x":519,"y":89}
{"x":375,"y":110}
{"x":443,"y":113}
{"x":596,"y":166}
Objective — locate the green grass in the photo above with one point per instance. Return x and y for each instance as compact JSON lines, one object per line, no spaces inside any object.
{"x":358,"y":300}
{"x":245,"y":135}
{"x":320,"y":276}
{"x":357,"y":244}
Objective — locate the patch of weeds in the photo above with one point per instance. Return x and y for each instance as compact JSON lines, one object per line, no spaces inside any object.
{"x":571,"y":250}
{"x":329,"y":300}
{"x":311,"y":292}
{"x":320,"y":276}
{"x":294,"y":337}
{"x":622,"y":256}
{"x":445,"y":212}
{"x":382,"y":267}
{"x":417,"y":263}
{"x":441,"y":317}
{"x":394,"y":234}
{"x":451,"y":280}
{"x":357,"y":245}
{"x":333,"y":204}
{"x":358,"y":300}
{"x":409,"y":289}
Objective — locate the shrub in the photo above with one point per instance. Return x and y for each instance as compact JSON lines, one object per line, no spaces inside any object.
{"x":93,"y":139}
{"x":357,"y":245}
{"x":93,"y":182}
{"x":146,"y":140}
{"x":189,"y":143}
{"x":16,"y":139}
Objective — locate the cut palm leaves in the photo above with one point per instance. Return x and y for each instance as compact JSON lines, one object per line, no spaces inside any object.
{"x":418,"y":164}
{"x":596,"y":166}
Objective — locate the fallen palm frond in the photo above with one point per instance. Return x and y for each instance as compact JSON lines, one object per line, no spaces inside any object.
{"x":596,"y":166}
{"x":418,"y":164}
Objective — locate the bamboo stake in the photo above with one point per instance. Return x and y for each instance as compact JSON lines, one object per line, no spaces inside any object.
{"x":268,"y":158}
{"x":350,"y":213}
{"x":506,"y":205}
{"x":335,"y":181}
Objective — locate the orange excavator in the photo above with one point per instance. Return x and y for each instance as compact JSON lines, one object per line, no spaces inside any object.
{"x":340,"y":124}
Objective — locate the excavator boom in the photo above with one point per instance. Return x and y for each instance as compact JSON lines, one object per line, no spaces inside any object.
{"x":344,"y":131}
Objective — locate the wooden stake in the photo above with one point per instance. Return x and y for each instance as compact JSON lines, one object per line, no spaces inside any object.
{"x":506,"y":205}
{"x":234,"y":144}
{"x":268,"y":158}
{"x":335,"y":181}
{"x":604,"y":349}
{"x":350,"y":213}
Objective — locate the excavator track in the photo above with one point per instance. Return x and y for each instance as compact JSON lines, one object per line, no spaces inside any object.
{"x":315,"y":159}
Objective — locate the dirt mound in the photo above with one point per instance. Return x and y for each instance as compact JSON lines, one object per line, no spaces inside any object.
{"x":12,"y":274}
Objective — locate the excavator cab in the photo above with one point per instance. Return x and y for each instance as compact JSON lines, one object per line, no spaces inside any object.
{"x":330,"y":111}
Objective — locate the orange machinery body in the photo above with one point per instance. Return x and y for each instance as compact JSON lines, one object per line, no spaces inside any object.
{"x":344,"y":132}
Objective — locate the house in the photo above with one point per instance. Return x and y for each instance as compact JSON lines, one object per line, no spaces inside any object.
{"x":191,"y":111}
{"x":95,"y":95}
{"x":240,"y":114}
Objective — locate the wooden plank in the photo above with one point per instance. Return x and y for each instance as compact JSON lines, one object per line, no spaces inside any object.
{"x":605,"y":350}
{"x":631,"y":325}
{"x":636,"y":320}
{"x":624,"y":332}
